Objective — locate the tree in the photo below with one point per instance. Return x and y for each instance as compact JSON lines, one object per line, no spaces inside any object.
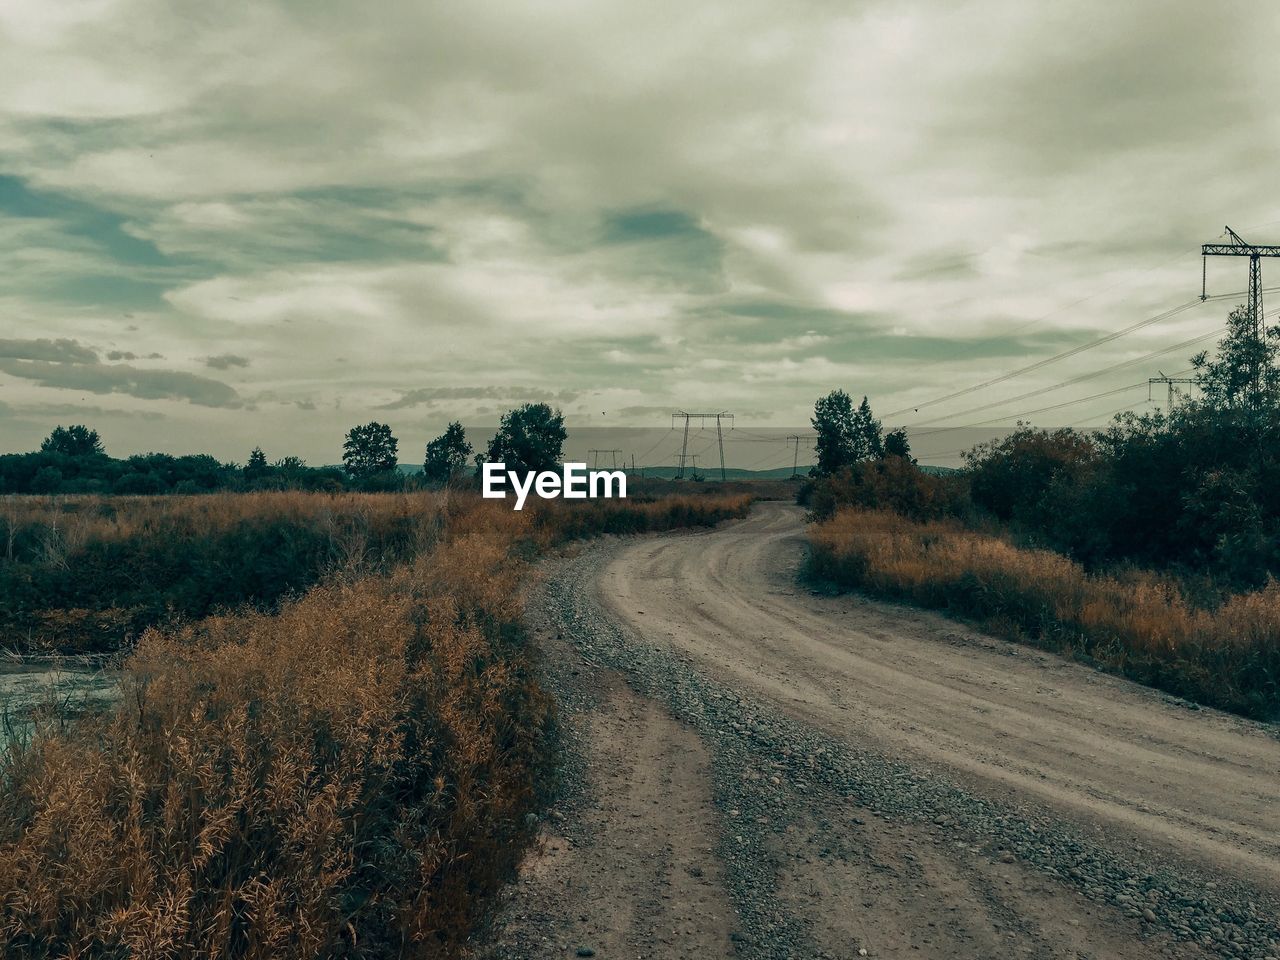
{"x":257,"y":465}
{"x":47,"y":480}
{"x":1243,"y":376}
{"x":1011,"y":476}
{"x":868,"y":437}
{"x":833,"y":423}
{"x":845,"y":436}
{"x":897,"y":445}
{"x":530,"y":438}
{"x":74,"y":441}
{"x":370,"y":450}
{"x":446,"y":455}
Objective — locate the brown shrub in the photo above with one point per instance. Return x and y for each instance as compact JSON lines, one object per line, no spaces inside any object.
{"x":1136,"y":622}
{"x":349,"y":776}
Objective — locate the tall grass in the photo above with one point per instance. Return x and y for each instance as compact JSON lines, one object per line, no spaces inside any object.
{"x":88,"y":574}
{"x":1134,"y":622}
{"x":348,"y":775}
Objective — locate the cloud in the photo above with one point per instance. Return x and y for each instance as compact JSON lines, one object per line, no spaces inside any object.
{"x":437,"y":395}
{"x":59,"y":351}
{"x":122,"y":378}
{"x":225,"y":361}
{"x":45,"y":411}
{"x":745,"y":210}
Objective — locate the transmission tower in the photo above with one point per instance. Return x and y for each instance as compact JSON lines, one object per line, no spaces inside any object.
{"x":1170,"y":381}
{"x":702,"y":418}
{"x":1239,"y":247}
{"x":685,"y":459}
{"x":795,"y":462}
{"x":595,"y":457}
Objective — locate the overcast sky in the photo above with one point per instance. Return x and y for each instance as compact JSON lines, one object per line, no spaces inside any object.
{"x":227,"y":224}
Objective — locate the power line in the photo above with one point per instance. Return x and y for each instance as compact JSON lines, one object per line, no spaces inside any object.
{"x":1027,"y":413}
{"x":1083,"y":377}
{"x":1158,"y":318}
{"x":661,"y":441}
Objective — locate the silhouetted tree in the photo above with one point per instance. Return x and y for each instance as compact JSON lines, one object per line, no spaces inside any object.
{"x":370,"y":450}
{"x":74,"y":441}
{"x":868,"y":438}
{"x":257,"y":465}
{"x":446,"y":455}
{"x":529,"y":438}
{"x":897,"y":445}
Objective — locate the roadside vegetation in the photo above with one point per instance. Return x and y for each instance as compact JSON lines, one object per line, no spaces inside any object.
{"x":90,"y":574}
{"x":330,"y":736}
{"x":345,"y":771}
{"x":1151,"y":547}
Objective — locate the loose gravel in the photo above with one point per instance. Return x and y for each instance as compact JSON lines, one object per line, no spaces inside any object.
{"x":767,"y":765}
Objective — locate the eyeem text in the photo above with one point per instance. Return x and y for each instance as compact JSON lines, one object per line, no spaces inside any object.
{"x":574,"y":482}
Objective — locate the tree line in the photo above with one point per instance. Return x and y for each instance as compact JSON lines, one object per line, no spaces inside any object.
{"x":1195,"y":490}
{"x":72,"y":459}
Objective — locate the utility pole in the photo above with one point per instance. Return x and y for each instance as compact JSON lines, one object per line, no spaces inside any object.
{"x":1170,"y":381}
{"x":795,"y":461}
{"x":702,"y":418}
{"x":1239,"y":247}
{"x":595,"y":457}
{"x":684,"y":460}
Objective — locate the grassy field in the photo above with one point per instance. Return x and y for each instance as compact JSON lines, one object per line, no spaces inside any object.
{"x":87,"y":574}
{"x":335,"y":761}
{"x":1134,"y":622}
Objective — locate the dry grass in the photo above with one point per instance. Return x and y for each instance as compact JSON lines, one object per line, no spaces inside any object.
{"x":53,"y":528}
{"x":347,"y":776}
{"x":1135,"y":622}
{"x":88,"y":574}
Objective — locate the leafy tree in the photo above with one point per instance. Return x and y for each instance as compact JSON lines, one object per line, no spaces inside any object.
{"x":845,"y":436}
{"x":370,"y":450}
{"x":47,"y":480}
{"x":868,"y":437}
{"x":897,"y":445}
{"x":834,"y":424}
{"x":1243,"y":375}
{"x":446,"y":455}
{"x":529,"y":438}
{"x":74,"y":441}
{"x":1010,"y":477}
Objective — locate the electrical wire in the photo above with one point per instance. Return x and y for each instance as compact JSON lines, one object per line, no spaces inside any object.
{"x":1158,"y":318}
{"x":661,"y":441}
{"x":1083,"y":377}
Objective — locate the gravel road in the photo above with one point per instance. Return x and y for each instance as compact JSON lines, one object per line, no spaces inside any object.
{"x":754,"y":769}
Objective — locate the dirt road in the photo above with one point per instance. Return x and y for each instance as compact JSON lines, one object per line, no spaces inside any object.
{"x":761,"y":770}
